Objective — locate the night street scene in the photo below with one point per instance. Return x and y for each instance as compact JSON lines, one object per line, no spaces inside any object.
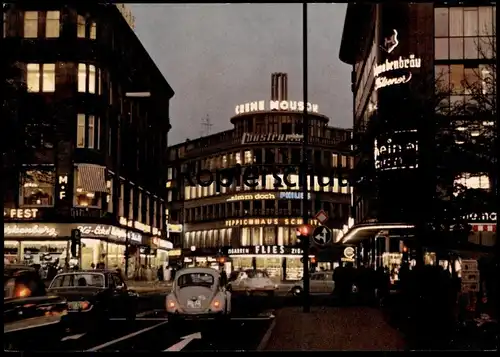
{"x":250,"y":177}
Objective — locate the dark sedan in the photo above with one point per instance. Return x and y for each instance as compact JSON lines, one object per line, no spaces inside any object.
{"x":94,"y":296}
{"x":30,"y":316}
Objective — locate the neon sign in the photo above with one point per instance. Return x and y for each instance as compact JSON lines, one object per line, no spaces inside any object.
{"x":281,"y":105}
{"x":63,"y":181}
{"x":398,"y":151}
{"x":402,"y":63}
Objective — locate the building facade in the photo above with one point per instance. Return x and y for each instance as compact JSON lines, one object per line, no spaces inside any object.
{"x":412,"y":63}
{"x":255,"y":227}
{"x":89,"y":113}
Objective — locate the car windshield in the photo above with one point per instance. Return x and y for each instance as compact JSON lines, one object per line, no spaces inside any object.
{"x":78,"y":280}
{"x":195,"y":279}
{"x":256,"y":274}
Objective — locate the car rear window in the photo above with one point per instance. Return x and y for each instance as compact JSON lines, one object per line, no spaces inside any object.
{"x":79,"y":280}
{"x":195,"y":279}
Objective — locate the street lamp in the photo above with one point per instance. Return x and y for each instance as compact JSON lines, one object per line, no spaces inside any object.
{"x":305,"y":132}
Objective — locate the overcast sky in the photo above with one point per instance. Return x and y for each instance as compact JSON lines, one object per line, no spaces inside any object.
{"x":217,"y":56}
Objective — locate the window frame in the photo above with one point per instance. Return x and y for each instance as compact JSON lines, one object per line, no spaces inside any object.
{"x":34,"y":20}
{"x":51,"y":22}
{"x":22,"y":188}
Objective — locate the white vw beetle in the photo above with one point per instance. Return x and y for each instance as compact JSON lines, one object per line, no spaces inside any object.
{"x":197,"y":293}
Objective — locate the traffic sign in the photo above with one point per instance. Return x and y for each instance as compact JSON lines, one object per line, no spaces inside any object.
{"x":321,"y":216}
{"x":322,"y":235}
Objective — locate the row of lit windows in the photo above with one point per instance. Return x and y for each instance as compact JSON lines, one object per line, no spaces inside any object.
{"x":365,"y":83}
{"x":41,"y":77}
{"x":465,"y":21}
{"x":196,"y":192}
{"x":270,"y":156}
{"x":464,"y":32}
{"x":38,"y":190}
{"x":209,"y":238}
{"x":85,"y":27}
{"x":262,"y":208}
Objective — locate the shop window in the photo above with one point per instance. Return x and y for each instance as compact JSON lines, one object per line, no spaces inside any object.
{"x":85,"y":198}
{"x":37,"y":188}
{"x":31,"y":24}
{"x":249,"y":158}
{"x":52,"y":24}
{"x":41,"y":77}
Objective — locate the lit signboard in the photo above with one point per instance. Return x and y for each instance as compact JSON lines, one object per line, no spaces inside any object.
{"x":21,"y":213}
{"x":285,"y":195}
{"x":281,"y":105}
{"x":398,"y":150}
{"x":271,"y":138}
{"x":174,"y":228}
{"x":267,"y":222}
{"x":397,"y":71}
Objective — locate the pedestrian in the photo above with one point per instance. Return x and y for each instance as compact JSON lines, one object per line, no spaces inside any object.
{"x":160,"y":273}
{"x":92,"y":266}
{"x":223,"y":278}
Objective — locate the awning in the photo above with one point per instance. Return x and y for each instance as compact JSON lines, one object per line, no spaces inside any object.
{"x":92,"y":178}
{"x":484,"y":227}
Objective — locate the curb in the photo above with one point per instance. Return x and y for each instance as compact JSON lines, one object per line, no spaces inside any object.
{"x":265,"y":340}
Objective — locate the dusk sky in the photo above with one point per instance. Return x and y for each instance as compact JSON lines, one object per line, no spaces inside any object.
{"x":219,"y":55}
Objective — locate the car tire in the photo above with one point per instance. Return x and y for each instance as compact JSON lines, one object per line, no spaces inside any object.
{"x":296,"y":291}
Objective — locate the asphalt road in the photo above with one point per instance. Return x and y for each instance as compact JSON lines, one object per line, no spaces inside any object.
{"x":151,"y":331}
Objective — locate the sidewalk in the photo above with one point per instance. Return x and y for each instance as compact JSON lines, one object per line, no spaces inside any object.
{"x":149,"y":286}
{"x":333,"y":328}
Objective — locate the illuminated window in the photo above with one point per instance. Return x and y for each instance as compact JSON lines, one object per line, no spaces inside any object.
{"x":456,"y":78}
{"x":80,"y":132}
{"x":474,"y":181}
{"x":37,"y":188}
{"x":52,"y":24}
{"x":187,"y":193}
{"x":88,"y":131}
{"x":5,"y":24}
{"x":80,"y":27}
{"x":441,"y":22}
{"x":33,"y":77}
{"x":248,"y":157}
{"x":121,"y":201}
{"x":131,"y":204}
{"x":140,"y":217}
{"x":456,"y":21}
{"x":457,"y":48}
{"x":31,"y":24}
{"x":92,"y":79}
{"x":84,"y":198}
{"x":109,"y":196}
{"x":86,"y":78}
{"x":91,"y":132}
{"x":93,"y":30}
{"x":41,"y":77}
{"x":238,"y":158}
{"x":335,"y":160}
{"x":441,"y":48}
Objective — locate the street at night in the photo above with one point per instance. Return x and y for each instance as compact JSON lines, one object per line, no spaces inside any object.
{"x":250,"y":177}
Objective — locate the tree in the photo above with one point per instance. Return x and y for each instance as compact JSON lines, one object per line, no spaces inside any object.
{"x":465,"y":142}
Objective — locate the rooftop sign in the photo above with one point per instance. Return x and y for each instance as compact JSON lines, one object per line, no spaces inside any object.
{"x":278,"y":105}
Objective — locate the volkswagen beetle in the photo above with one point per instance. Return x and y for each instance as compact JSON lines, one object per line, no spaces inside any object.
{"x":197,"y":293}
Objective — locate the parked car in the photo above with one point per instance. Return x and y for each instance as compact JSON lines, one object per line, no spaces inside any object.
{"x":252,"y":282}
{"x":197,"y":293}
{"x":94,"y":296}
{"x":319,"y":283}
{"x":30,"y":316}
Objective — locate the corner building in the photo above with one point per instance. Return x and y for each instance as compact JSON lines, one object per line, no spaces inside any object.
{"x":256,"y":227}
{"x":95,"y":109}
{"x":398,"y":53}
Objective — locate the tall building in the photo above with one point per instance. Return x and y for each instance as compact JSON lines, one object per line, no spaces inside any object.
{"x":88,"y":111}
{"x":412,"y":63}
{"x":255,"y":227}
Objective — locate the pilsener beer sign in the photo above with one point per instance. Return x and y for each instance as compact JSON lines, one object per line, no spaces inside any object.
{"x":281,"y":105}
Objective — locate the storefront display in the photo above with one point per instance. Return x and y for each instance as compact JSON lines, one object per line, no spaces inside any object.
{"x":294,"y":269}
